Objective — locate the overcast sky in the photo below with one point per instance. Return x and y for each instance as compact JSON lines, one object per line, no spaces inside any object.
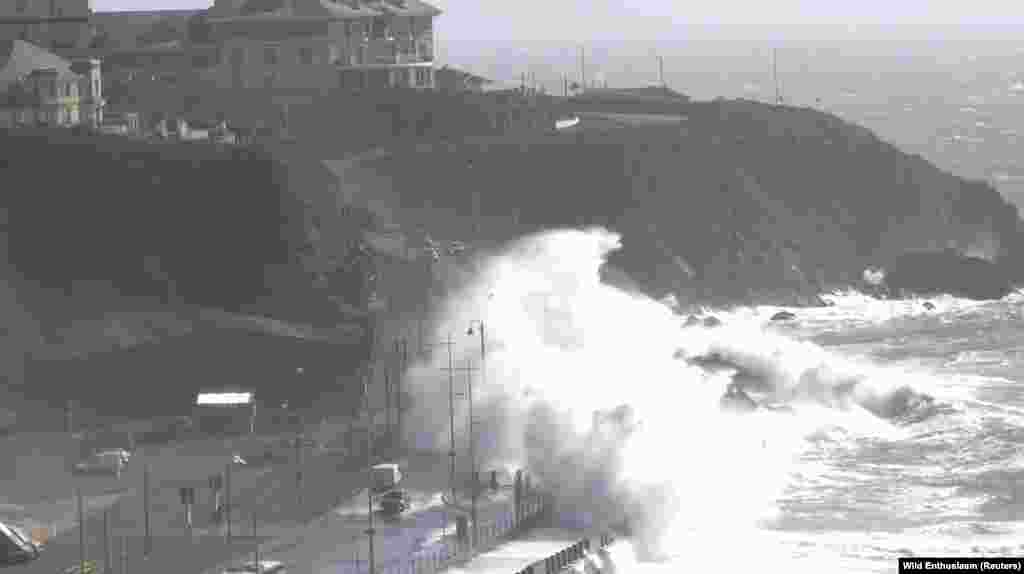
{"x":662,"y":19}
{"x":507,"y":38}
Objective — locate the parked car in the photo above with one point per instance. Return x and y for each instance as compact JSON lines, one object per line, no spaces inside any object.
{"x":15,"y":546}
{"x":265,"y":567}
{"x":101,"y":462}
{"x":395,"y":502}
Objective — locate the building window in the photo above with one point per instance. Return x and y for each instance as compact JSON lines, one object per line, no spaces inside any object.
{"x":20,"y":5}
{"x":270,"y":54}
{"x":305,"y":55}
{"x":422,"y":77}
{"x":269,"y":80}
{"x":335,"y":53}
{"x":284,"y":118}
{"x":361,"y":56}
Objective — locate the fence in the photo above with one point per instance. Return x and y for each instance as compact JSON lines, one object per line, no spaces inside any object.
{"x":564,"y":559}
{"x":450,"y":551}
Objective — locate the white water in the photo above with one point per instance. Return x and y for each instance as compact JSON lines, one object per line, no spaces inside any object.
{"x":562,"y":345}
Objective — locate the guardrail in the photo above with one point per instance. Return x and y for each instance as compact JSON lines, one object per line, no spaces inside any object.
{"x":565,"y":559}
{"x":451,"y":552}
{"x":448,"y":553}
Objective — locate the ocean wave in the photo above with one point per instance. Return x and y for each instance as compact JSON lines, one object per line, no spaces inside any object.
{"x":611,"y":403}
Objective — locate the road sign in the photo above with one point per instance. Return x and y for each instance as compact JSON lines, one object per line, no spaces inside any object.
{"x":188,"y":494}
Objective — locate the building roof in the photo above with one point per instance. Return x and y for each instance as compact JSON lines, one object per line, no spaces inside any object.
{"x":124,"y":29}
{"x":224,"y":398}
{"x":320,"y":9}
{"x":18,"y":59}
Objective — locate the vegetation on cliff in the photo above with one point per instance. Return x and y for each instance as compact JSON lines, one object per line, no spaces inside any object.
{"x":192,"y":223}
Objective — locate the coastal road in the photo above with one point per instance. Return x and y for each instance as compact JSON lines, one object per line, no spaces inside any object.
{"x":39,"y":494}
{"x":337,"y":543}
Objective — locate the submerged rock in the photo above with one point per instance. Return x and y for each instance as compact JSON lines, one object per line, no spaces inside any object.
{"x":691,"y":321}
{"x":929,"y":306}
{"x":712,"y":321}
{"x":783,"y":316}
{"x":736,"y":400}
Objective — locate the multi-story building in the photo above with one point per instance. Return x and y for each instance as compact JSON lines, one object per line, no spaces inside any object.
{"x":41,"y":87}
{"x":324,"y":44}
{"x":51,"y":24}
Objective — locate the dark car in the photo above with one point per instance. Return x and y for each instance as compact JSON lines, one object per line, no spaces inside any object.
{"x":395,"y":502}
{"x":15,"y":546}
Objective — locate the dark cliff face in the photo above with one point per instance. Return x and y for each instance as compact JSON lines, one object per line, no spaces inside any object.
{"x":950,"y":272}
{"x":738,"y":202}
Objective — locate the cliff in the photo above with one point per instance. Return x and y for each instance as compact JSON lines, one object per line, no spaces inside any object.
{"x":718,"y":202}
{"x":116,"y":249}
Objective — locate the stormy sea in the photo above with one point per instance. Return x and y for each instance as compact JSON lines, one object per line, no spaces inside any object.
{"x":866,"y":430}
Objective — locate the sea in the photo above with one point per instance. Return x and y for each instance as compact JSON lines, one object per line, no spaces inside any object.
{"x":884,"y":428}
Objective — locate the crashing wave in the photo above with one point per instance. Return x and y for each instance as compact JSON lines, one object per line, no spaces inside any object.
{"x":611,"y":405}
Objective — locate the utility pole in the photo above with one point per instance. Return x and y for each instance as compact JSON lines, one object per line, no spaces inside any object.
{"x":583,"y":68}
{"x":387,"y":406}
{"x":451,"y":413}
{"x":148,"y":539}
{"x":227,"y":499}
{"x":775,"y":76}
{"x":256,"y":561}
{"x":124,"y":555}
{"x":81,"y":530}
{"x":472,"y":460}
{"x":298,"y":467}
{"x":108,"y":567}
{"x":403,"y":365}
{"x":472,"y":423}
{"x":472,"y":446}
{"x":449,"y":343}
{"x":369,"y":494}
{"x":661,"y":71}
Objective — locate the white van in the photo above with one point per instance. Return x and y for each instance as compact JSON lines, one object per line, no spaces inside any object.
{"x":386,"y":477}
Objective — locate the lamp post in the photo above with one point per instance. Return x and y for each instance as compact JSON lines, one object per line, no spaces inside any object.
{"x":472,"y":435}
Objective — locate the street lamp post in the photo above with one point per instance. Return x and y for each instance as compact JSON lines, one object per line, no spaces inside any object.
{"x":472,"y":435}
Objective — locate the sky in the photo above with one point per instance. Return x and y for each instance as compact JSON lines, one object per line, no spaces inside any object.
{"x":642,"y":18}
